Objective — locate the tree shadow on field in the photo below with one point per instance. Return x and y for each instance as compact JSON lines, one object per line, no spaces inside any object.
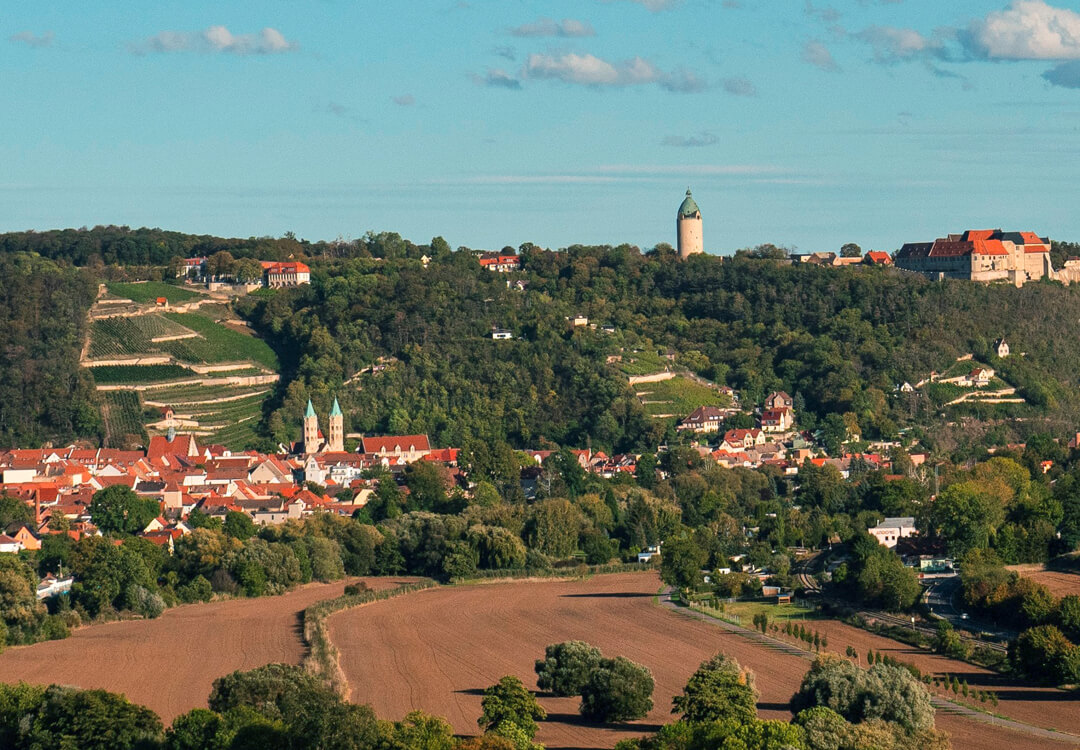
{"x":610,"y":595}
{"x":577,"y":720}
{"x":471,"y":691}
{"x":298,"y":626}
{"x":761,"y":706}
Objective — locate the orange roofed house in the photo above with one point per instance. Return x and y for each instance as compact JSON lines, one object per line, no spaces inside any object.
{"x":290,"y":273}
{"x":980,"y":255}
{"x":408,"y":447}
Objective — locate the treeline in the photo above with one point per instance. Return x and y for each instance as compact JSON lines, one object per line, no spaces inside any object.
{"x":44,"y":396}
{"x":124,"y":246}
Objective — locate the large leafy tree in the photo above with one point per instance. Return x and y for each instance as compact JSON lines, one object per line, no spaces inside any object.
{"x":617,"y":690}
{"x":720,"y":689}
{"x":566,"y":667}
{"x":118,"y":509}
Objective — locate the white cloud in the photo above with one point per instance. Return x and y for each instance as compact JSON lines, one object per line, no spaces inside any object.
{"x":658,"y":5}
{"x":216,"y":39}
{"x":590,"y":70}
{"x":568,"y":27}
{"x":31,"y":40}
{"x":1027,"y":30}
{"x":818,"y":55}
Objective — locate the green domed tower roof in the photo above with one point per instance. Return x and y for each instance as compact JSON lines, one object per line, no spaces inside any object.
{"x":689,"y":207}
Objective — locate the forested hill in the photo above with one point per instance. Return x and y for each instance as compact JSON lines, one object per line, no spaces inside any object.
{"x":43,"y":394}
{"x":839,"y":339}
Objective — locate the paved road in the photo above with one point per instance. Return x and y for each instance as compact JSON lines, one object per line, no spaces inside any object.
{"x":941,"y":600}
{"x":940,"y":704}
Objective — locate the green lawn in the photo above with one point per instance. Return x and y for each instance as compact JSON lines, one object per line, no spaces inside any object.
{"x":678,"y":396}
{"x":746,"y":611}
{"x":148,"y":291}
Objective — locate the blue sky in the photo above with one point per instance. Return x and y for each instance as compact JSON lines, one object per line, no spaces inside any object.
{"x":496,"y":122}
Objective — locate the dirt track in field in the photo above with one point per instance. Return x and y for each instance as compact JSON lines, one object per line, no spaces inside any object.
{"x":436,"y":650}
{"x":170,"y":663}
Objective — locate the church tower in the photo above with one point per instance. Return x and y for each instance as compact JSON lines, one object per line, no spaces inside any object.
{"x":688,"y":226}
{"x":311,"y":430}
{"x":337,"y":429}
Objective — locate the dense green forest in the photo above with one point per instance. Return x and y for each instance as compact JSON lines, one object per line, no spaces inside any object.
{"x":43,"y":395}
{"x":839,"y":339}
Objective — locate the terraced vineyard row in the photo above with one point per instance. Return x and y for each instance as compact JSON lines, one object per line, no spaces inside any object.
{"x":123,"y":416}
{"x":217,"y":343}
{"x":131,"y":336}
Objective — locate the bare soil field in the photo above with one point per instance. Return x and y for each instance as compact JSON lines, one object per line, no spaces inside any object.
{"x":437,"y":650}
{"x":1039,"y":706}
{"x":170,"y":663}
{"x":1060,"y":583}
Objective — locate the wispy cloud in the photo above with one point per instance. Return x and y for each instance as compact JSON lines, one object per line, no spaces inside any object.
{"x":1066,"y":74}
{"x":823,"y":13}
{"x":589,"y":70}
{"x":505,"y":51}
{"x":568,"y":27}
{"x":696,"y":170}
{"x":892,"y":44}
{"x":703,"y":138}
{"x":818,"y":55}
{"x":496,"y":78}
{"x":32,"y":40}
{"x":658,"y":5}
{"x":216,"y":39}
{"x":739,"y":86}
{"x":405,"y":100}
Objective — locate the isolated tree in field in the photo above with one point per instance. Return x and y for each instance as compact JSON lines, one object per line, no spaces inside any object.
{"x":719,"y":690}
{"x":617,"y":690}
{"x":508,"y":702}
{"x":118,"y":509}
{"x":566,"y":667}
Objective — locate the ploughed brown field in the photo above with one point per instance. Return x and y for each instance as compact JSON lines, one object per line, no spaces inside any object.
{"x":1060,"y":583}
{"x":436,"y":650}
{"x":1045,"y":707}
{"x":169,"y":664}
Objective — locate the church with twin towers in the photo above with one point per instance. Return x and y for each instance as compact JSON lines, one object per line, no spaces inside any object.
{"x":314,"y":441}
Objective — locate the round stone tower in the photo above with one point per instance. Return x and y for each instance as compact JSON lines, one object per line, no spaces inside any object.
{"x":688,"y":225}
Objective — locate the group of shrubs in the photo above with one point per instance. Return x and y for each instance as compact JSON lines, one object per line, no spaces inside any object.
{"x":610,"y":689}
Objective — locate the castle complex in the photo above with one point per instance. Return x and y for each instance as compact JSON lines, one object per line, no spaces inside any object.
{"x":314,"y":441}
{"x":981,"y":255}
{"x":688,"y":226}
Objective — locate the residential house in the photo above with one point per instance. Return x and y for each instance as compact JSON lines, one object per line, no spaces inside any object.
{"x":1001,"y":348}
{"x":500,"y":263}
{"x":703,"y":419}
{"x":409,"y":447}
{"x":10,"y":544}
{"x":742,"y":439}
{"x":978,"y":378}
{"x":877,"y":258}
{"x":779,"y":400}
{"x":777,"y":420}
{"x":501,"y":334}
{"x":25,"y":536}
